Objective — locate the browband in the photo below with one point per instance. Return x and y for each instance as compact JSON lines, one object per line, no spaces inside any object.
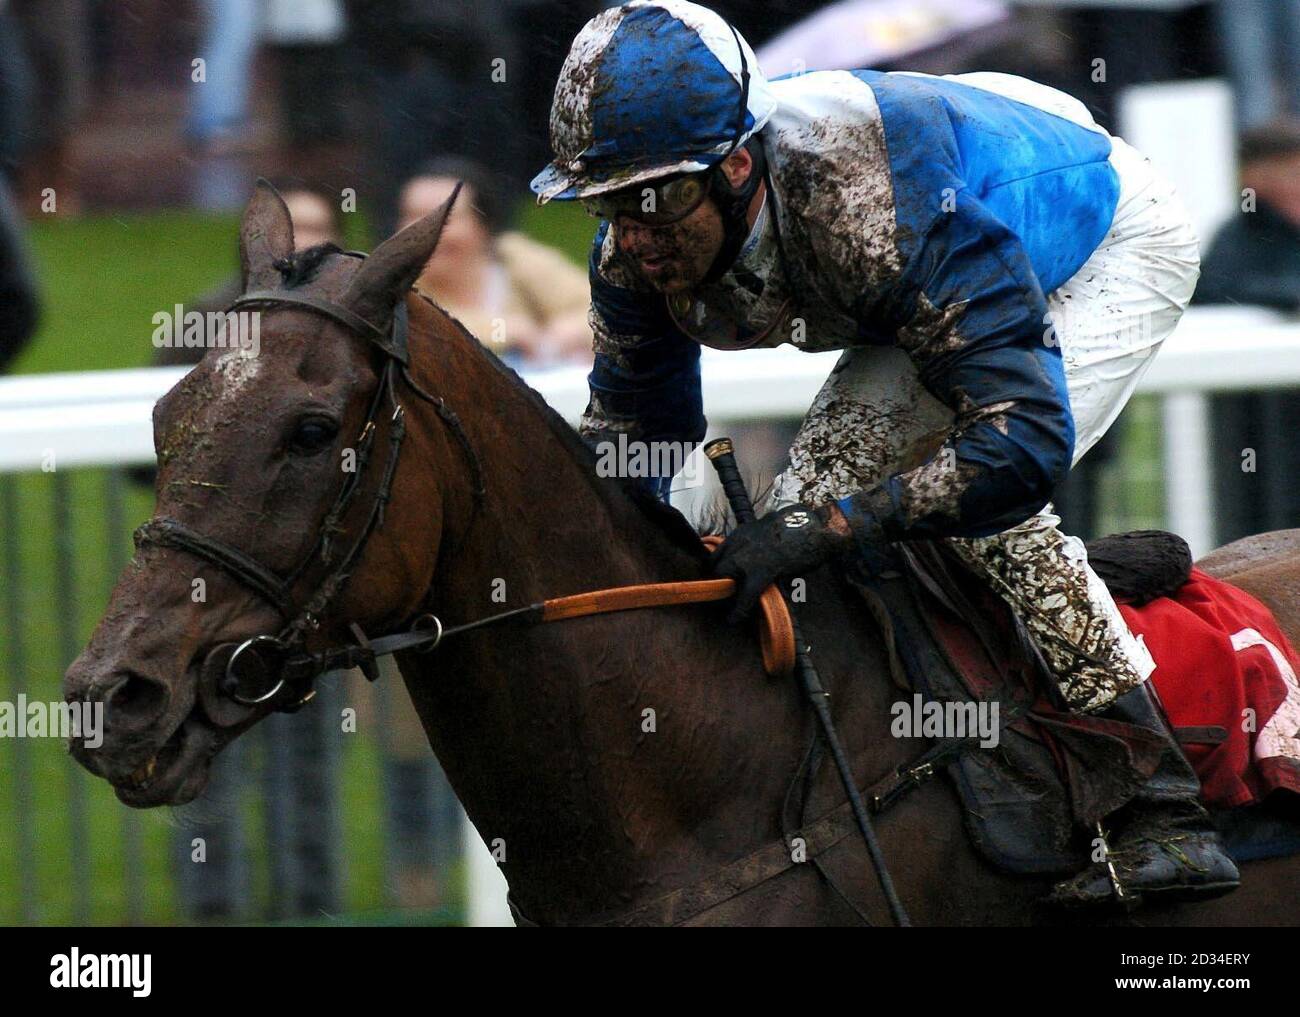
{"x":392,"y":341}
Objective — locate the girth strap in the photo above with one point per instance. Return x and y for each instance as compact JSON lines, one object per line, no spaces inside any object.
{"x":773,"y":859}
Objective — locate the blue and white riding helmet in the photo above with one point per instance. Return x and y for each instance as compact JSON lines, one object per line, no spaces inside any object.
{"x":649,"y":89}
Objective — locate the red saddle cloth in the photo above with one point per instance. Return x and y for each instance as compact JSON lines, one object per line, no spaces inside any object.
{"x":1222,"y":660}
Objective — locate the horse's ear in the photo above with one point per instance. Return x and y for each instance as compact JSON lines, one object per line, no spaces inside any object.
{"x":392,"y":269}
{"x":265,"y":236}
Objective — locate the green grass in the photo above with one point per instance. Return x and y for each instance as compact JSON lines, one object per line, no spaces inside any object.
{"x":103,"y":278}
{"x":563,"y":225}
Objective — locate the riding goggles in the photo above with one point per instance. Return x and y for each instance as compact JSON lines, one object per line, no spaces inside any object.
{"x":660,"y":204}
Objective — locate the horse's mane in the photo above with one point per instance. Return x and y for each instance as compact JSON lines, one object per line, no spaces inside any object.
{"x":613,"y":490}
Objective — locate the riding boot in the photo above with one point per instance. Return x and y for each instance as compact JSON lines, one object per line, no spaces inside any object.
{"x":1166,"y":847}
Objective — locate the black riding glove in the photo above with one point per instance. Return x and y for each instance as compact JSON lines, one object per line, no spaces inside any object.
{"x":784,"y":543}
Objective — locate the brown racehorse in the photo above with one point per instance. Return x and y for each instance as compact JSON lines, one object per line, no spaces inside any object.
{"x":543,"y":730}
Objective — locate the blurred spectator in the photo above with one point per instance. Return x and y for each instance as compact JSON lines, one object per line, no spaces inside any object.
{"x":219,"y":102}
{"x":1255,"y":256}
{"x":18,"y":303}
{"x":307,"y":37}
{"x":523,"y":300}
{"x":1255,"y":259}
{"x":441,"y":77}
{"x":56,"y":35}
{"x":16,"y":85}
{"x":1261,"y":46}
{"x":315,"y":212}
{"x":316,"y":220}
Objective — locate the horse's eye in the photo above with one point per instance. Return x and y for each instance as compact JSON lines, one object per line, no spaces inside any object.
{"x":312,"y":435}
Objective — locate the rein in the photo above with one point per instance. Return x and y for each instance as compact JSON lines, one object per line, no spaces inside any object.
{"x":427,"y":632}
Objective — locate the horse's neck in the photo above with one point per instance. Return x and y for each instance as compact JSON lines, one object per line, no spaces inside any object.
{"x":553,"y":734}
{"x":547,"y":526}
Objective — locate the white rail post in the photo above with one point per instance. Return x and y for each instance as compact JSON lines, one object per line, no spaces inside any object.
{"x":486,"y":890}
{"x":1189,"y":493}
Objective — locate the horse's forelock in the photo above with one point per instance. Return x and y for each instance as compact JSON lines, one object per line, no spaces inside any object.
{"x":302,"y":267}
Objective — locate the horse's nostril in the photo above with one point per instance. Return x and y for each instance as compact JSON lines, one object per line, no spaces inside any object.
{"x":136,"y":697}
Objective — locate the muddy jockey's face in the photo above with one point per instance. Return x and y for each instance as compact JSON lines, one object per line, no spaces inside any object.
{"x":671,"y":230}
{"x":654,"y":96}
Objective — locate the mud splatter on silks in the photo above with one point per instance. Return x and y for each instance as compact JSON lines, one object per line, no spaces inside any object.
{"x":873,"y":419}
{"x":1045,"y":577}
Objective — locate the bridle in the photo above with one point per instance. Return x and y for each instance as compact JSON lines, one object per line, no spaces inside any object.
{"x":276,"y":671}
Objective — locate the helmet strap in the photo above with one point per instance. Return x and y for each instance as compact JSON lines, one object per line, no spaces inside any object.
{"x":733,"y":204}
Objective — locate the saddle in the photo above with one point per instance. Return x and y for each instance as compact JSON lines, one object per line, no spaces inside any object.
{"x":1031,"y":803}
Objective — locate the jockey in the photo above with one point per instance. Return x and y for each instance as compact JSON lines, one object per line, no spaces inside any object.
{"x":999,"y":272}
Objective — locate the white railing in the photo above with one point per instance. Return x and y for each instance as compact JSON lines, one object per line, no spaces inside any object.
{"x":103,"y":418}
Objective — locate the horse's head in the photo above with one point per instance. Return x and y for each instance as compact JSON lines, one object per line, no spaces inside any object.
{"x":276,"y":467}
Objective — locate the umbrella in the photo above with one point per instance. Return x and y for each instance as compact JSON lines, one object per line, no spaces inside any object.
{"x":870,"y":33}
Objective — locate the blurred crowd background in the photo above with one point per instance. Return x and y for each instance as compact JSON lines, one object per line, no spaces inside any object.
{"x":131,"y":132}
{"x":113,"y":106}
